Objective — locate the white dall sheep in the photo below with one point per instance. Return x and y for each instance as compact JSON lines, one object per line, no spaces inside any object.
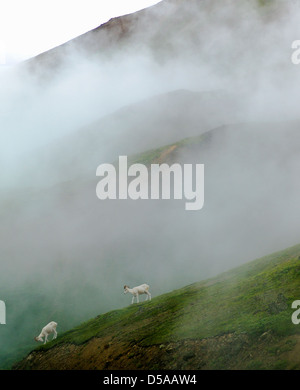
{"x":136,"y":291}
{"x":49,"y":328}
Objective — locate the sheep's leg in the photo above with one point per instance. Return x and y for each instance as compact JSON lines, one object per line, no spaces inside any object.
{"x":132,"y":299}
{"x":55,"y":334}
{"x":46,"y":339}
{"x":137,"y":298}
{"x":148,"y":295}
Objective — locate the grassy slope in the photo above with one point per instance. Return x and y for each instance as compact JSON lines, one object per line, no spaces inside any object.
{"x":11,"y":206}
{"x":249,"y":300}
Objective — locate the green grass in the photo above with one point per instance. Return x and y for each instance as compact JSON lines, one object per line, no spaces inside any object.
{"x":238,"y":301}
{"x":150,"y":156}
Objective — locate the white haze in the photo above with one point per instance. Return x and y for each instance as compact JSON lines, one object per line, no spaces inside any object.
{"x":58,"y":126}
{"x":245,"y":53}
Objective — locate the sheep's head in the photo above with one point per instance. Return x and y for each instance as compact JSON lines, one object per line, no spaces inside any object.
{"x":126,"y":289}
{"x":38,"y":339}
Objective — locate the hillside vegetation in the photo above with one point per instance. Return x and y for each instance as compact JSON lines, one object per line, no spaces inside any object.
{"x":184,"y":81}
{"x":238,"y":320}
{"x":78,"y":294}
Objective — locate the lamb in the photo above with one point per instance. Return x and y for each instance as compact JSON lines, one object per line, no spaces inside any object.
{"x":49,"y":328}
{"x":136,"y":291}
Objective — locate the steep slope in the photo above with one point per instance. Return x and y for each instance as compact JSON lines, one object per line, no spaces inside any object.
{"x":238,"y":320}
{"x":151,"y":28}
{"x":165,"y":31}
{"x":145,"y":125}
{"x":250,"y":208}
{"x":61,"y":248}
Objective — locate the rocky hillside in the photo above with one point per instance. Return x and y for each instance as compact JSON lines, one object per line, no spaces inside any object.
{"x":238,"y":320}
{"x":184,"y":81}
{"x":244,"y":164}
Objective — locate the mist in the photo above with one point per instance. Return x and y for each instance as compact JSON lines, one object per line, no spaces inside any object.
{"x":162,"y":75}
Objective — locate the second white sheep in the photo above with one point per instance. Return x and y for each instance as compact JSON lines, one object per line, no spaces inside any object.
{"x":136,"y":291}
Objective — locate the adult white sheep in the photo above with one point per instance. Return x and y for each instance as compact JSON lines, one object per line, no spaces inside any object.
{"x":136,"y":291}
{"x":48,"y":329}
